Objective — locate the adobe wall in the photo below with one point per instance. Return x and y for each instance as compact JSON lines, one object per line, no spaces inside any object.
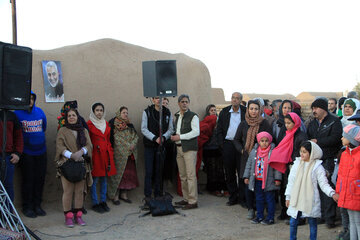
{"x":110,"y":71}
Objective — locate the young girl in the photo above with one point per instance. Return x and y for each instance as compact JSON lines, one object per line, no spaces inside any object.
{"x":348,"y":182}
{"x":102,"y":156}
{"x":302,"y":189}
{"x":262,"y":178}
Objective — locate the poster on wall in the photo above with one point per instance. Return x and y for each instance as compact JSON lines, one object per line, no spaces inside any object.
{"x":53,"y":82}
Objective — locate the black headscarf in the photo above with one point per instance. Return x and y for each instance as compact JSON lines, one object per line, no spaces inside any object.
{"x":78,"y":127}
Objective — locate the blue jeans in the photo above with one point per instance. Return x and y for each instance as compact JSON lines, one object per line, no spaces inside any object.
{"x":261,"y":196}
{"x":294,"y":225}
{"x":9,"y":177}
{"x":103,"y":190}
{"x":151,"y":157}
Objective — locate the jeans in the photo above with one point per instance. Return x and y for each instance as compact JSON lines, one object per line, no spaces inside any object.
{"x":103,"y":190}
{"x":262,"y":196}
{"x":294,"y":225}
{"x":9,"y":178}
{"x":151,"y":156}
{"x":354,"y":217}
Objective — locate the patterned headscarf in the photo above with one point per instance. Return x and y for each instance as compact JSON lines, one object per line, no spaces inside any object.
{"x":254,"y":125}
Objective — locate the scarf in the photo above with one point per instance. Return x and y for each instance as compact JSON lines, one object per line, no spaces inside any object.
{"x":120,"y":123}
{"x":254,"y":124}
{"x":264,"y":153}
{"x":98,"y":123}
{"x":281,"y":155}
{"x":355,"y":104}
{"x":302,"y":192}
{"x":78,"y":127}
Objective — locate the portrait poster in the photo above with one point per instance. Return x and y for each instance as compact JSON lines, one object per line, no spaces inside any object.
{"x":53,"y":81}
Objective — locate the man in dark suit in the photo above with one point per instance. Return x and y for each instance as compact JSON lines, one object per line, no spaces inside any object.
{"x":228,"y":122}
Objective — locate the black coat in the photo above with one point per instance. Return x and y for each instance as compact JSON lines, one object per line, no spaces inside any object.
{"x":224,"y":122}
{"x":328,"y":135}
{"x":240,"y":140}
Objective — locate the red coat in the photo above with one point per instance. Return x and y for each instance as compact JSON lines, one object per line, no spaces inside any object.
{"x":103,"y":153}
{"x":348,"y":181}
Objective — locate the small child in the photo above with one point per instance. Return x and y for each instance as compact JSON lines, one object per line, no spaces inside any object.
{"x":302,"y":194}
{"x":348,"y":182}
{"x":262,"y":178}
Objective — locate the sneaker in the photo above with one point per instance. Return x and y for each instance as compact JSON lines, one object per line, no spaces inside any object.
{"x":104,"y":206}
{"x":69,"y":220}
{"x":256,"y":221}
{"x":79,"y":220}
{"x":251,"y":214}
{"x":267,"y":222}
{"x":98,"y":208}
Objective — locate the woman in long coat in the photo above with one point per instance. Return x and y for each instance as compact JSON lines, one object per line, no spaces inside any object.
{"x":73,"y":142}
{"x":102,"y":156}
{"x":124,"y":141}
{"x":244,"y":141}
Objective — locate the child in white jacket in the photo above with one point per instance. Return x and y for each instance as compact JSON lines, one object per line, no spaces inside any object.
{"x":302,"y":194}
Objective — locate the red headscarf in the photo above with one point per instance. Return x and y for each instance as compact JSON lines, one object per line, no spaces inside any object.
{"x":281,"y":155}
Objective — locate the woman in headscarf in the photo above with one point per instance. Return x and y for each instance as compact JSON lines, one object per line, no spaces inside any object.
{"x":244,"y":141}
{"x":285,"y":107}
{"x":102,"y":156}
{"x":212,"y":156}
{"x":73,"y":142}
{"x":124,"y":141}
{"x":351,"y":105}
{"x":285,"y":153}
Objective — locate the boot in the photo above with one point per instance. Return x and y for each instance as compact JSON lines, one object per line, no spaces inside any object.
{"x":69,"y":219}
{"x":78,"y":218}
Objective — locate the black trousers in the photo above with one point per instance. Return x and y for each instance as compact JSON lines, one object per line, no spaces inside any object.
{"x":234,"y":182}
{"x":328,"y":205}
{"x":33,"y":171}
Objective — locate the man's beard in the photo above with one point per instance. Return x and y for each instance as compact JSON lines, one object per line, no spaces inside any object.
{"x":54,"y":83}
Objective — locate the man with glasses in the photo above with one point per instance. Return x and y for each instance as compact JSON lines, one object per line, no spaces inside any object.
{"x":229,"y":119}
{"x":187,"y":130}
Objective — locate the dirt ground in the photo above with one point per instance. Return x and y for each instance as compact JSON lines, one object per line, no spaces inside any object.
{"x":212,"y":220}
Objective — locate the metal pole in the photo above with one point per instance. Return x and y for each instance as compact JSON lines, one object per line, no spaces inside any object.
{"x":13,"y":7}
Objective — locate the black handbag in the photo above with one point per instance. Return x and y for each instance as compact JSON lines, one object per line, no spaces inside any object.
{"x":73,"y":171}
{"x":161,"y":206}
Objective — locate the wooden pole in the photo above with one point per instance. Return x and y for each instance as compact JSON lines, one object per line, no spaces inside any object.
{"x":13,"y":7}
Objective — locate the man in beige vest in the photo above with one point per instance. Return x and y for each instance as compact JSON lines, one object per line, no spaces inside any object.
{"x":187,"y":131}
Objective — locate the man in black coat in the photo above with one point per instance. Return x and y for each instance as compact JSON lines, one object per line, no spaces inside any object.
{"x":326,"y":131}
{"x":228,"y":122}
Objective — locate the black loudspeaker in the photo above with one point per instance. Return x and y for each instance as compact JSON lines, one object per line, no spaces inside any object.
{"x":159,"y":78}
{"x":15,"y":76}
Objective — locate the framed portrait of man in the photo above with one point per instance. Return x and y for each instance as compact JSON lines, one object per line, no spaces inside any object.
{"x":53,"y":82}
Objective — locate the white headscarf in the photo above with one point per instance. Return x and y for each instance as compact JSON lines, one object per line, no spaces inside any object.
{"x":98,"y":123}
{"x":344,"y":119}
{"x":302,"y":193}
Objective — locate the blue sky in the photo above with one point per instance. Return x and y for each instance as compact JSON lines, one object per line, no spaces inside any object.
{"x":261,"y":46}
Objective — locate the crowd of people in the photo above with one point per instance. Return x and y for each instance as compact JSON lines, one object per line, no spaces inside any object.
{"x":255,"y":153}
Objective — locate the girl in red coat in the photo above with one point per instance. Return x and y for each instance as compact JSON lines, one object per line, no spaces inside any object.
{"x":102,"y":156}
{"x":348,"y":182}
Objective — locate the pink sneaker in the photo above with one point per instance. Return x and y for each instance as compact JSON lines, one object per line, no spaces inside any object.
{"x":79,"y":220}
{"x":69,"y":220}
